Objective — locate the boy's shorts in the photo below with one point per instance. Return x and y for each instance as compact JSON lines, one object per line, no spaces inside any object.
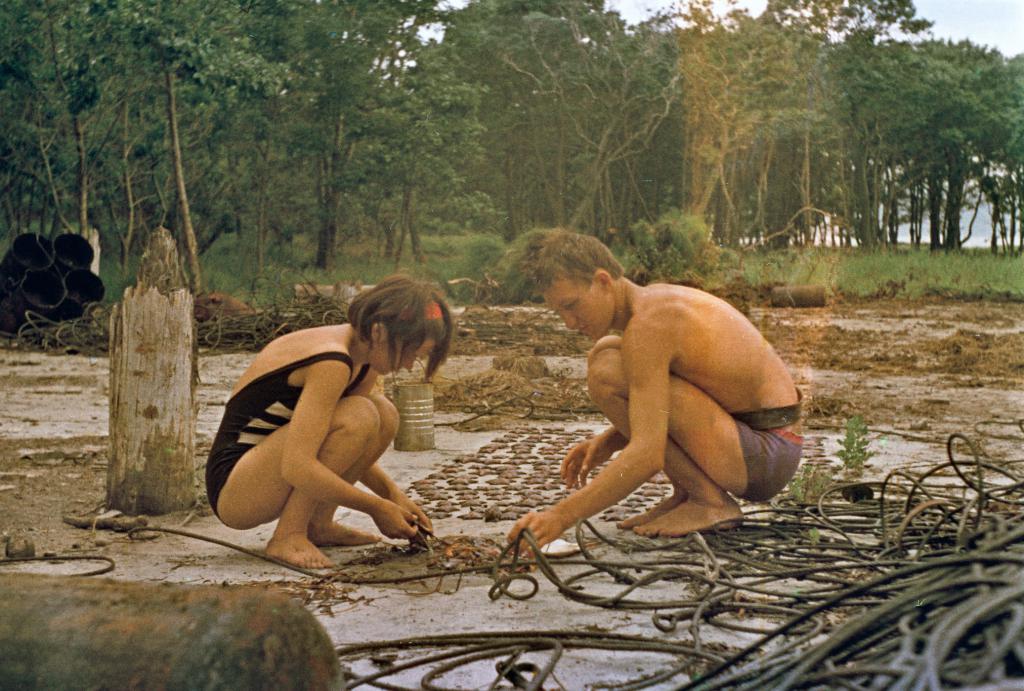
{"x":771,"y":457}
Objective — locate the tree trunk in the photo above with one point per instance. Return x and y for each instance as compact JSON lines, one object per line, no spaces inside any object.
{"x":934,"y":213}
{"x":805,"y":185}
{"x":129,"y":193}
{"x":152,"y":389}
{"x":179,"y":180}
{"x":83,"y":177}
{"x":414,"y":231}
{"x":954,"y":203}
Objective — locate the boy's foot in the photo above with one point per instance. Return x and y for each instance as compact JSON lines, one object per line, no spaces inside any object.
{"x":297,"y":550}
{"x":332,"y":533}
{"x":662,"y":507}
{"x":691,"y":517}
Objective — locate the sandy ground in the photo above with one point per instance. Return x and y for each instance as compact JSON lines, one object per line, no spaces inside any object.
{"x":915,"y":371}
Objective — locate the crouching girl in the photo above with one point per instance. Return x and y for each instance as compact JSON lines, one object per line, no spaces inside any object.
{"x":304,"y":425}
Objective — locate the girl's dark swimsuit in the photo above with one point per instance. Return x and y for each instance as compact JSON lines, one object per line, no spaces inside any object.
{"x":263,"y":405}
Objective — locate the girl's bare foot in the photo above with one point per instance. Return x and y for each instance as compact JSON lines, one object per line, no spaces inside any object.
{"x":297,"y":550}
{"x":691,"y":517}
{"x":332,"y":533}
{"x":664,"y":506}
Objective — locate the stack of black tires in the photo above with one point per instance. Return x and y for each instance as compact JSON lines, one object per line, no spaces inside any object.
{"x":49,"y":278}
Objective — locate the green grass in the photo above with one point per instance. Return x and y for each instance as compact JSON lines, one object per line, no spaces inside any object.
{"x":885,"y":273}
{"x":230,"y":267}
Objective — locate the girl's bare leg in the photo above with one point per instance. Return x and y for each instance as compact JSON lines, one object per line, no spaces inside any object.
{"x":323,"y":530}
{"x":255,"y":493}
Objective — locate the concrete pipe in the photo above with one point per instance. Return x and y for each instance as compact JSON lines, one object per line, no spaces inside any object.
{"x":43,"y":290}
{"x":798,"y":296}
{"x":84,"y":286}
{"x":28,"y":252}
{"x":71,"y":252}
{"x":68,"y":633}
{"x":39,"y":291}
{"x":69,"y":308}
{"x":12,"y":312}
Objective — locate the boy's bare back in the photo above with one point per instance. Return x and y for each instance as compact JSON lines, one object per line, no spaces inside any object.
{"x":712,"y":345}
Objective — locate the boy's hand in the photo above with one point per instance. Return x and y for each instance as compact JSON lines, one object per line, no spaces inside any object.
{"x":546,"y":526}
{"x":581,"y":459}
{"x":394,"y":521}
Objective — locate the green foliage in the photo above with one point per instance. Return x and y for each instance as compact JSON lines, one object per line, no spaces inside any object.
{"x":854,"y":449}
{"x":677,"y":247}
{"x":885,"y":273}
{"x":470,"y":257}
{"x":918,"y":273}
{"x":512,"y":286}
{"x":810,"y":482}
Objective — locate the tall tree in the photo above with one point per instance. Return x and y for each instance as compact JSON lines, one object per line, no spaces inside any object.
{"x":199,"y":44}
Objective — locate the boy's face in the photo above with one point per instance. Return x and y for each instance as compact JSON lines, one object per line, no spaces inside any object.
{"x":584,"y":307}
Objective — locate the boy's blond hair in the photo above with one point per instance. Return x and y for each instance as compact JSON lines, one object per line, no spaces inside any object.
{"x":550,"y":255}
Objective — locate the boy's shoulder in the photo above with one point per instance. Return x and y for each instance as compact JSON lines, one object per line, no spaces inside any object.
{"x":660,"y":301}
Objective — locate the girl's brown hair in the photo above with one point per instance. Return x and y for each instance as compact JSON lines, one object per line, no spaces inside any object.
{"x":412,"y":311}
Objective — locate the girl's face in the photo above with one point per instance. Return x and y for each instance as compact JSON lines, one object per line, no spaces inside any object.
{"x":385,"y":362}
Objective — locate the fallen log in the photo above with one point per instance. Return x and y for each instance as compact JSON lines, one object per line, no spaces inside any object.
{"x":798,"y":296}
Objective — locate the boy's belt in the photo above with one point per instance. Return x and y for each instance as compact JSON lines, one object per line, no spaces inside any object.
{"x":770,"y":418}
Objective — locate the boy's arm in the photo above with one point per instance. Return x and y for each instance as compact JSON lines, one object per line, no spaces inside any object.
{"x":646,"y":358}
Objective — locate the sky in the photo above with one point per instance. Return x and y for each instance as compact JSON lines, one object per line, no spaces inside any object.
{"x":995,"y":23}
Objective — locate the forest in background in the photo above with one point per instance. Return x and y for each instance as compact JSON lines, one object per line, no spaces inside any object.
{"x":286,"y":133}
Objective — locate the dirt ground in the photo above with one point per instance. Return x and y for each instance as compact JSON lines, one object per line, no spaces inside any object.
{"x":916,"y":371}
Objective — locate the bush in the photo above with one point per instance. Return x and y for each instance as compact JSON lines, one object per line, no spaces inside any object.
{"x":468,"y":261}
{"x":675,"y":248}
{"x":512,"y":286}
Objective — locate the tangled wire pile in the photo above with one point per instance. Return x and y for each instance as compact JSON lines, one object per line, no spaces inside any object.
{"x":90,"y":333}
{"x":486,"y":330}
{"x":913,"y":582}
{"x":508,"y":394}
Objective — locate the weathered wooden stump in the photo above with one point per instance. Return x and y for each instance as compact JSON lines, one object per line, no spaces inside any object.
{"x":152,"y":389}
{"x":72,"y":633}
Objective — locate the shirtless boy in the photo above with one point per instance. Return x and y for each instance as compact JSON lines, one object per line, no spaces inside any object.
{"x":691,"y":388}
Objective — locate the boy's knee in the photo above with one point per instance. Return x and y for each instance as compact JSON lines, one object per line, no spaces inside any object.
{"x":606,"y":346}
{"x":604,"y":372}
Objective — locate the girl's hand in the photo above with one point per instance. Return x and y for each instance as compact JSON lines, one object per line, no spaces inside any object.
{"x":411,"y":506}
{"x":394,"y":521}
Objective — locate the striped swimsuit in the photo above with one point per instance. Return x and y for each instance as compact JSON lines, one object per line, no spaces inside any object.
{"x":251,"y":415}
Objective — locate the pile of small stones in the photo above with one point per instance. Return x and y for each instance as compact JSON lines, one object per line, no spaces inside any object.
{"x":514,"y":474}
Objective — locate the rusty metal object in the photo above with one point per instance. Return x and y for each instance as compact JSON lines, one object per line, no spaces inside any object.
{"x":415,"y":403}
{"x":120,"y":524}
{"x":63,"y":632}
{"x":19,"y":547}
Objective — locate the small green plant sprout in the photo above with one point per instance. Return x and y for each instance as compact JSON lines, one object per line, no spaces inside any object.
{"x":810,"y":483}
{"x":854,"y":451}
